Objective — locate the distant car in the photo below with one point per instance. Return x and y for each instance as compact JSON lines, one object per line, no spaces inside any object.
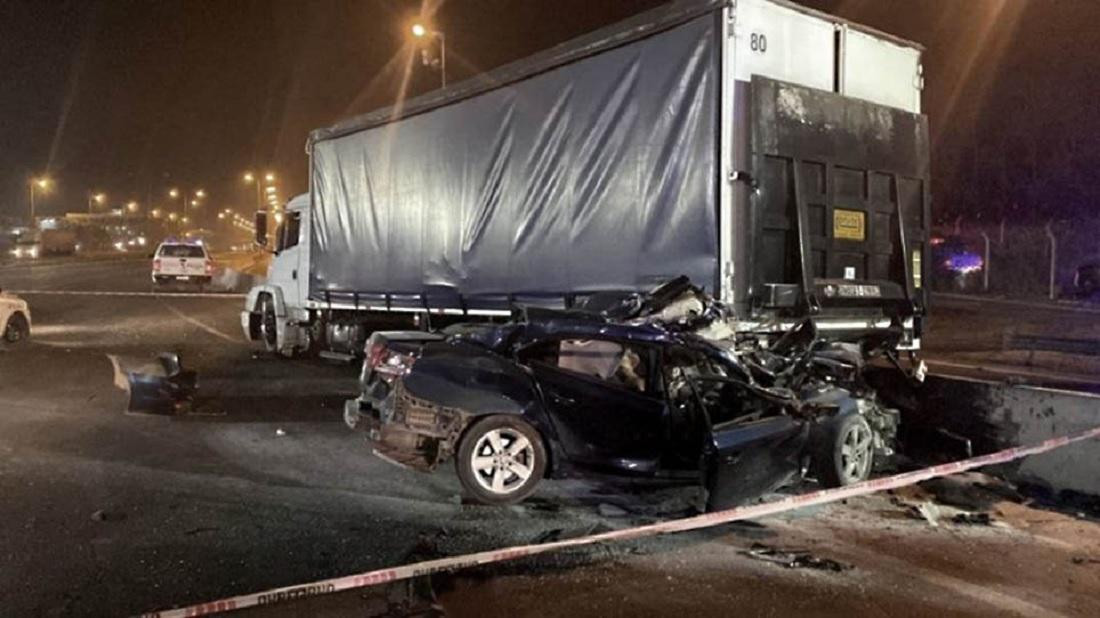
{"x":26,"y":247}
{"x":15,"y":319}
{"x":1086,"y":280}
{"x":182,"y":262}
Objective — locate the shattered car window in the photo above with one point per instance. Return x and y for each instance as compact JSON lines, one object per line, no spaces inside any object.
{"x":590,"y":357}
{"x":606,"y":360}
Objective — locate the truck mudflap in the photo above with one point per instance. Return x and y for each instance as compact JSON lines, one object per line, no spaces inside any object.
{"x":950,"y":416}
{"x":840,"y":206}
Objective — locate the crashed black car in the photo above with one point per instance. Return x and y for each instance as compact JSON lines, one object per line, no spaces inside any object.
{"x":641,"y":388}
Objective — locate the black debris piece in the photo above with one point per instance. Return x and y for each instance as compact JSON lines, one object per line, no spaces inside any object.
{"x":794,"y":558}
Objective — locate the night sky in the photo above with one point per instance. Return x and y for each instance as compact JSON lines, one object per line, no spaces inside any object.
{"x":131,"y":97}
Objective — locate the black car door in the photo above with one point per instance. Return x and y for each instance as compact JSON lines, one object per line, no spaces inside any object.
{"x":600,"y":421}
{"x":746,"y":457}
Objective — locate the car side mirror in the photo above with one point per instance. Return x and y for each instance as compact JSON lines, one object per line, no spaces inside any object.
{"x":260,"y":221}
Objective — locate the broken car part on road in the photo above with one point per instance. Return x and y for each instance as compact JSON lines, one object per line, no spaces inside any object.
{"x":167,"y":388}
{"x":644,"y":386}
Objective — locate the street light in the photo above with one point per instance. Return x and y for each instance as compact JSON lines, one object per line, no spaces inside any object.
{"x":95,"y":198}
{"x":200,"y":193}
{"x":132,"y":206}
{"x":269,"y":177}
{"x":42,"y":184}
{"x":420,"y":31}
{"x":173,"y":193}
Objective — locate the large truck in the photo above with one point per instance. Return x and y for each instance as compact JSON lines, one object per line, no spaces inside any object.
{"x":774,"y":154}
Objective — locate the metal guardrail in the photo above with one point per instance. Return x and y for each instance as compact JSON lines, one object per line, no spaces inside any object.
{"x":1041,"y":343}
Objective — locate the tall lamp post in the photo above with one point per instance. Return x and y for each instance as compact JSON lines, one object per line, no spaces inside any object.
{"x":95,"y":198}
{"x":251,"y":179}
{"x":42,"y":184}
{"x":420,"y":31}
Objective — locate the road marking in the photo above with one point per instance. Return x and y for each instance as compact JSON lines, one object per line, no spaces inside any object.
{"x":127,"y":294}
{"x":203,"y":326}
{"x":706,"y":520}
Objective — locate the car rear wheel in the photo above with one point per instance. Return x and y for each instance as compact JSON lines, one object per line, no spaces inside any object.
{"x":500,"y":460}
{"x":16,"y":330}
{"x":845,"y":454}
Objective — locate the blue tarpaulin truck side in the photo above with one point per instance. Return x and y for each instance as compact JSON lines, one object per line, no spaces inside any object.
{"x":775,"y":155}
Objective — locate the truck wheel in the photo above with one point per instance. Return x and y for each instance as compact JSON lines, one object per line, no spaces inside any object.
{"x":17,"y":330}
{"x":845,"y":452}
{"x":269,"y":332}
{"x":500,"y":460}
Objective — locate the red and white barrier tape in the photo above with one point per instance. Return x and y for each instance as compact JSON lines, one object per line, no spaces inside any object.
{"x":381,"y":576}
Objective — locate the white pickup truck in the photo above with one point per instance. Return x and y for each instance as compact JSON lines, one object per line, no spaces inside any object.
{"x":182,"y":262}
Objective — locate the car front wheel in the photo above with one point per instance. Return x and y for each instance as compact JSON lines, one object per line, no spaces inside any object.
{"x":500,"y":460}
{"x":845,"y":453}
{"x":16,"y":330}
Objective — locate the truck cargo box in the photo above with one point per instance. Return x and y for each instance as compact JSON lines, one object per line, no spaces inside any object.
{"x":775,"y":155}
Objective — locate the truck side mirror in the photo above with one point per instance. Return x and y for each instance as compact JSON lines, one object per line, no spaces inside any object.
{"x":260,"y":222}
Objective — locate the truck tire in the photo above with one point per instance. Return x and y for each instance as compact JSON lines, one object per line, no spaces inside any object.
{"x":844,"y":453}
{"x":17,"y":330}
{"x":500,"y":460}
{"x":269,"y":330}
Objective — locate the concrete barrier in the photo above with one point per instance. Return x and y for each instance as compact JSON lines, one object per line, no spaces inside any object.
{"x":998,"y":415}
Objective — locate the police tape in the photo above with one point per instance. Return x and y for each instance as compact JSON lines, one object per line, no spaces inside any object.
{"x":427,"y":567}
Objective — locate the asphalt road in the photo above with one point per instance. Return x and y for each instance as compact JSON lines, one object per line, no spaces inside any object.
{"x":104,"y":512}
{"x":107,"y":512}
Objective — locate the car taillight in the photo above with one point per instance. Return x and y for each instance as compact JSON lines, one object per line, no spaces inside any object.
{"x":209,"y":268}
{"x":156,"y":264}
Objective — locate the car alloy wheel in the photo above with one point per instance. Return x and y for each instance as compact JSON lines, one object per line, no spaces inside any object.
{"x":845,"y":452}
{"x":500,"y":460}
{"x":856,"y":453}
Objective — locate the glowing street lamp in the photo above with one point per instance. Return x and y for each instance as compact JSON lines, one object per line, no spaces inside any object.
{"x":95,"y":198}
{"x":41,"y":184}
{"x":269,"y":177}
{"x":420,"y":31}
{"x":200,"y":193}
{"x":173,"y":193}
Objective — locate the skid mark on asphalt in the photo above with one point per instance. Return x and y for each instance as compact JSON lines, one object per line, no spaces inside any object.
{"x":206,"y":327}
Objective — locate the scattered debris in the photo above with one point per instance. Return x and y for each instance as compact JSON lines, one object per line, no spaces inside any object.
{"x":794,"y":558}
{"x":973,"y":519}
{"x":928,"y":511}
{"x":194,"y":531}
{"x":165,"y":389}
{"x":610,"y":510}
{"x":102,"y":515}
{"x":1085,"y":560}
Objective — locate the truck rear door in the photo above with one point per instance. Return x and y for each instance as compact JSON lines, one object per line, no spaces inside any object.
{"x":840,"y":210}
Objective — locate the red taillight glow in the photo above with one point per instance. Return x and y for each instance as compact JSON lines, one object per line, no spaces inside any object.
{"x":156,"y":264}
{"x":210,"y":268}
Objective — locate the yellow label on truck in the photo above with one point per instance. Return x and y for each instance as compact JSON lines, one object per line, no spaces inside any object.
{"x":849,"y":224}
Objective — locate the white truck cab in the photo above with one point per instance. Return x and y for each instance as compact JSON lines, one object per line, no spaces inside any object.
{"x":276,"y":311}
